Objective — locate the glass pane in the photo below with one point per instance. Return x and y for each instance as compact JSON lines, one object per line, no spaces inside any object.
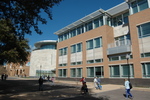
{"x":90,"y":72}
{"x":145,"y":29}
{"x":98,"y":71}
{"x":148,"y":69}
{"x":79,"y":72}
{"x":73,"y":72}
{"x":97,"y":42}
{"x":143,"y":6}
{"x":96,"y":23}
{"x":125,"y":69}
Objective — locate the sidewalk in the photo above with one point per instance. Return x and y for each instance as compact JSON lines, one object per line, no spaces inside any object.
{"x":105,"y":87}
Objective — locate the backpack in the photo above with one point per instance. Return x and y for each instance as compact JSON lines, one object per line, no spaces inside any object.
{"x":130,"y":85}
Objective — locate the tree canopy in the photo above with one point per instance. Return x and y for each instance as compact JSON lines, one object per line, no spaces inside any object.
{"x":12,"y":49}
{"x":25,"y":14}
{"x":17,"y":17}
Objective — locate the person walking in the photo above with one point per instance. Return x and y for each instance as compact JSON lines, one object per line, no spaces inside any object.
{"x":95,"y":82}
{"x":40,"y":83}
{"x":99,"y":83}
{"x":83,"y":80}
{"x":127,"y":87}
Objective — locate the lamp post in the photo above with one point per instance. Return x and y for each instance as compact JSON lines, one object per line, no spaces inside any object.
{"x":40,"y":70}
{"x":127,"y":57}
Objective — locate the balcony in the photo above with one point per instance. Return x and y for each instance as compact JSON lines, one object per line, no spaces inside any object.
{"x":121,"y":46}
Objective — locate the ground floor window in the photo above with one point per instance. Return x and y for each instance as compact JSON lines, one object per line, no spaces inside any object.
{"x":95,"y":71}
{"x":146,"y":69}
{"x":62,"y":72}
{"x":45,"y":73}
{"x":76,"y":72}
{"x":122,"y":71}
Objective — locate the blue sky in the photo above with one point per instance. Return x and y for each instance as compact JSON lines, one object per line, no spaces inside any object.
{"x":67,"y":12}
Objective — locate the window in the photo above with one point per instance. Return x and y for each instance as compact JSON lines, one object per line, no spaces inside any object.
{"x":78,"y":30}
{"x":73,"y":49}
{"x":96,"y":23}
{"x":122,"y":71}
{"x":76,"y":48}
{"x":139,"y":5}
{"x":125,"y":17}
{"x":146,"y":70}
{"x":73,"y":33}
{"x":90,"y":72}
{"x":143,"y":30}
{"x":89,"y":44}
{"x":90,"y":61}
{"x":79,"y":47}
{"x":95,"y":71}
{"x":79,"y":63}
{"x":60,"y":52}
{"x":114,"y":71}
{"x":145,"y":54}
{"x":73,"y":72}
{"x":62,"y":72}
{"x":76,"y":72}
{"x":97,"y":42}
{"x":89,"y":26}
{"x":63,"y":51}
{"x":73,"y":63}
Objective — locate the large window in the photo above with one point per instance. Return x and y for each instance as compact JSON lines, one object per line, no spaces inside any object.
{"x":95,"y":71}
{"x":88,"y":26}
{"x":139,"y":5}
{"x":76,"y":72}
{"x":63,"y":51}
{"x":73,"y":49}
{"x":62,"y":72}
{"x":144,"y":30}
{"x":146,"y":70}
{"x":76,"y":48}
{"x":94,"y":43}
{"x":122,"y":70}
{"x":120,"y":19}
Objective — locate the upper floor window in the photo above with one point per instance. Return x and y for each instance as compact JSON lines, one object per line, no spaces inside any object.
{"x":139,"y":5}
{"x":120,"y":19}
{"x":144,"y":30}
{"x":76,"y":48}
{"x":63,"y":51}
{"x":94,"y":43}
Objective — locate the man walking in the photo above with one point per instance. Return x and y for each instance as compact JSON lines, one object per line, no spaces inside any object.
{"x":127,"y":87}
{"x":40,"y":83}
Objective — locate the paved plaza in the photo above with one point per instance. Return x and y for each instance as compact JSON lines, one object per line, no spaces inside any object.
{"x":27,"y":89}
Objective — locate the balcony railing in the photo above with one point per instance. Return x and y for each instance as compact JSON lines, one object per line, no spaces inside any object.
{"x":120,"y":46}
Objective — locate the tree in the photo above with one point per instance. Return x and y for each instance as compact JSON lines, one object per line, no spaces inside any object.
{"x":26,"y":14}
{"x":12,"y":49}
{"x":17,"y":17}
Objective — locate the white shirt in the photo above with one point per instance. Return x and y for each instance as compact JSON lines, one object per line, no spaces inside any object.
{"x":95,"y":80}
{"x":126,"y":84}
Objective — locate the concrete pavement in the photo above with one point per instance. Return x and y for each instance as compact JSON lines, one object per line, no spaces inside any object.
{"x":108,"y":92}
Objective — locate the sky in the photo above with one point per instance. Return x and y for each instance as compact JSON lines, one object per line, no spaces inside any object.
{"x":65,"y":13}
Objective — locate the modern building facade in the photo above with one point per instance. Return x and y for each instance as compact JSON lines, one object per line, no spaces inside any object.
{"x":112,"y":44}
{"x":43,"y":59}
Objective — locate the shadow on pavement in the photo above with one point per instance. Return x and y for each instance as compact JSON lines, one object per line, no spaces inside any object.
{"x":28,"y":90}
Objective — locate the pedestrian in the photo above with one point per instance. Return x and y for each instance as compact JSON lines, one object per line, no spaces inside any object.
{"x":52,"y":79}
{"x":128,"y":88}
{"x":40,"y":83}
{"x":82,"y":80}
{"x":48,"y":77}
{"x":2,"y":76}
{"x":95,"y":82}
{"x":84,"y":88}
{"x":99,"y":83}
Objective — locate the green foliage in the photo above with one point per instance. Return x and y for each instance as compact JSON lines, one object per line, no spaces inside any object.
{"x":26,"y":14}
{"x":12,"y":49}
{"x":17,"y":17}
